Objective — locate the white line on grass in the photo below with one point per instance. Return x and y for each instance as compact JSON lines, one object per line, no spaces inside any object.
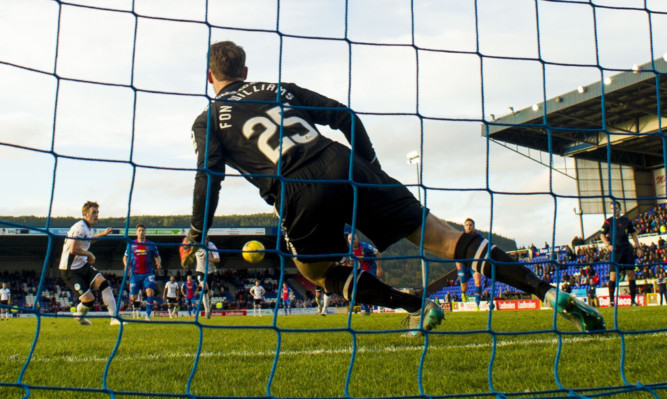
{"x":409,"y":348}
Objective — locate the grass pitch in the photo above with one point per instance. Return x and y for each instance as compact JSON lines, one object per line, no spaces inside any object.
{"x":470,"y":355}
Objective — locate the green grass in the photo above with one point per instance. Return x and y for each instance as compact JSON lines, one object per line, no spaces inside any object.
{"x":159,"y":358}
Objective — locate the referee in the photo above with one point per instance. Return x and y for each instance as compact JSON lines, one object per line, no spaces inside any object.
{"x":618,"y":229}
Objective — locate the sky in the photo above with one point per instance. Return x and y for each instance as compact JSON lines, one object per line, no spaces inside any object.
{"x":96,"y":103}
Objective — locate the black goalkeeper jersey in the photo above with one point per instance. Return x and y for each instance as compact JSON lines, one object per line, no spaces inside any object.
{"x":624,"y":229}
{"x":248,"y":120}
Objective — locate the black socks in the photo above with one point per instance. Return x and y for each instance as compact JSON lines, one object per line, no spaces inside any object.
{"x":339,"y":280}
{"x":475,"y":247}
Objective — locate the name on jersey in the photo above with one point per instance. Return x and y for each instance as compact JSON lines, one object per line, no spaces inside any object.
{"x":243,"y":92}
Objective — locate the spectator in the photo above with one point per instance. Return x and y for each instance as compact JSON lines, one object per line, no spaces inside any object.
{"x":662,"y":287}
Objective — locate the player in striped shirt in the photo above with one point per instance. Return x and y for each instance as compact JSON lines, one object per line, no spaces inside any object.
{"x":142,"y":255}
{"x":286,"y":296}
{"x":368,"y":258}
{"x":189,"y":290}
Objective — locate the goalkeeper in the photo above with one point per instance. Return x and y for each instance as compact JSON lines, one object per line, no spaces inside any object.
{"x":266,"y":131}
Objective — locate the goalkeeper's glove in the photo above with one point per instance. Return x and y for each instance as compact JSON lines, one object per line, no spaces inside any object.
{"x":187,"y":248}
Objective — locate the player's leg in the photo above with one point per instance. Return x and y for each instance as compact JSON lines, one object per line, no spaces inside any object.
{"x":632,"y":284}
{"x":151,"y":287}
{"x":318,"y":298}
{"x":325,"y":302}
{"x":310,"y":231}
{"x":173,"y":304}
{"x":80,"y":286}
{"x":133,"y":305}
{"x":101,"y":284}
{"x":445,"y":241}
{"x":339,"y":280}
{"x":207,"y":303}
{"x":612,"y":285}
{"x":478,"y":288}
{"x":86,"y":302}
{"x":205,"y":297}
{"x":627,"y":259}
{"x":463,"y":281}
{"x":135,"y":289}
{"x":150,"y":303}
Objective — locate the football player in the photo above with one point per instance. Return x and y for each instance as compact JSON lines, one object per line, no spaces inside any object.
{"x":171,"y":294}
{"x":141,"y":255}
{"x":77,"y":265}
{"x":618,"y":228}
{"x":317,"y":185}
{"x":206,"y":261}
{"x":465,"y":272}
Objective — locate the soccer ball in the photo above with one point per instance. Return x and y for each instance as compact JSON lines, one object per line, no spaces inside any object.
{"x":252,"y":251}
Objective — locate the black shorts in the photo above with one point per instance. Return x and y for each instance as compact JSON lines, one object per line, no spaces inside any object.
{"x":624,"y":257}
{"x":172,"y":301}
{"x":316,"y":210}
{"x":258,"y":301}
{"x":79,"y":280}
{"x":4,"y":302}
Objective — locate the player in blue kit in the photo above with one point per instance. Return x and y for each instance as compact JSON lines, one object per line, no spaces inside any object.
{"x":142,"y":255}
{"x":369,"y":261}
{"x":189,"y":290}
{"x":464,"y":271}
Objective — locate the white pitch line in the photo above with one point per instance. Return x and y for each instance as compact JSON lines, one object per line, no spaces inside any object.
{"x":348,"y":351}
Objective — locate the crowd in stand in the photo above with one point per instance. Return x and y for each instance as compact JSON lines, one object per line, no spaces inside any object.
{"x":653,"y":221}
{"x":25,"y":283}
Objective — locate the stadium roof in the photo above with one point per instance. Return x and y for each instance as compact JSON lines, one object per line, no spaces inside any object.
{"x":575,"y":123}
